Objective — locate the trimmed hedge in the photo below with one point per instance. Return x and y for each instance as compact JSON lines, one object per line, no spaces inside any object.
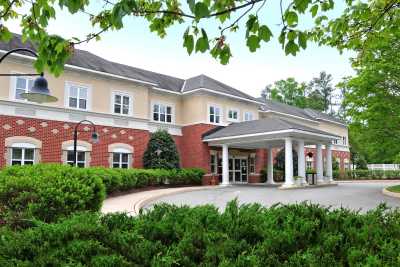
{"x":50,"y":191}
{"x":250,"y":235}
{"x":365,"y":175}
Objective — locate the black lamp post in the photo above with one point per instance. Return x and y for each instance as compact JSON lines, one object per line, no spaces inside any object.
{"x":40,"y":92}
{"x":95,"y":137}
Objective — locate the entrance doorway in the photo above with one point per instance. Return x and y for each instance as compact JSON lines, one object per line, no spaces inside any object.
{"x":238,"y":169}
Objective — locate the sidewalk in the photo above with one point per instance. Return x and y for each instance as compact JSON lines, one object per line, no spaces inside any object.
{"x":132,"y":203}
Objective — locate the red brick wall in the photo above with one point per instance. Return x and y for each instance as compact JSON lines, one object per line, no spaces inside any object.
{"x":53,"y":133}
{"x":195,"y":153}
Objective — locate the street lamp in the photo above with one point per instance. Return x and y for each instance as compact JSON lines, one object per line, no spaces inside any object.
{"x":39,"y":93}
{"x":95,"y":137}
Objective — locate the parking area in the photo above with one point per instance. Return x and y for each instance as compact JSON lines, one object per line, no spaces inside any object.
{"x":357,"y":196}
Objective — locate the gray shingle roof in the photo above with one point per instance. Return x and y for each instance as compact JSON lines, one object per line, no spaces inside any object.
{"x":259,"y":126}
{"x":203,"y":81}
{"x":87,"y":60}
{"x":307,"y":113}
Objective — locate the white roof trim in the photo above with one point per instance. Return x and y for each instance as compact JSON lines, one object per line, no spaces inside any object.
{"x":220,"y":93}
{"x":85,"y":69}
{"x":165,"y":90}
{"x":269,"y":133}
{"x":335,"y":122}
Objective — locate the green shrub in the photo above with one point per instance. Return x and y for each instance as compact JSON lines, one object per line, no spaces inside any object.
{"x":48,"y":192}
{"x":249,"y":235}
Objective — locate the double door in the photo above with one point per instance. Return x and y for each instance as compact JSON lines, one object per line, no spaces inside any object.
{"x":238,"y":169}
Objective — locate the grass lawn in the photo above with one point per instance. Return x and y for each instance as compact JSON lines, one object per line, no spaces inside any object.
{"x":395,"y":188}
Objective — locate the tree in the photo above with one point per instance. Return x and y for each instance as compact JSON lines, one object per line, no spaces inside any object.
{"x":343,"y":32}
{"x":315,"y":100}
{"x":280,"y":161}
{"x":161,"y":152}
{"x":288,"y":91}
{"x":322,"y":86}
{"x":372,"y":96}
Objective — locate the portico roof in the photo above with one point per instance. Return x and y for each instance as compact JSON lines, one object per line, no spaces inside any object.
{"x":257,"y":132}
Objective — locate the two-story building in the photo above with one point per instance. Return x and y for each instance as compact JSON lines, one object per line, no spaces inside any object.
{"x":216,"y":127}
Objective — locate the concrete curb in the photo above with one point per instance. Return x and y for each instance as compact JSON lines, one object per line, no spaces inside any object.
{"x":391,"y":194}
{"x":308,"y":186}
{"x":368,"y":181}
{"x":132,"y":203}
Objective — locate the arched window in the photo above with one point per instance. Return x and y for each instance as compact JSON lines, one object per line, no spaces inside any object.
{"x":22,"y":150}
{"x":120,"y":155}
{"x":82,"y":156}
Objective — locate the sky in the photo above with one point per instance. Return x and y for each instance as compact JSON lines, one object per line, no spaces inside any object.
{"x":250,"y":72}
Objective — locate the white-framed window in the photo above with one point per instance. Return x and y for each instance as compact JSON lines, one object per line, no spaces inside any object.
{"x":346,"y":164}
{"x":162,"y":113}
{"x":335,"y":141}
{"x":214,"y":114}
{"x":252,"y":163}
{"x":122,"y":103}
{"x":120,"y":160}
{"x":80,"y":158}
{"x":233,"y":114}
{"x":248,"y":116}
{"x":77,"y":96}
{"x":344,"y":140}
{"x":22,"y":85}
{"x":22,"y":154}
{"x":213,"y":163}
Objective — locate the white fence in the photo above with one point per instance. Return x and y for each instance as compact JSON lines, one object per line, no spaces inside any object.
{"x":384,"y":167}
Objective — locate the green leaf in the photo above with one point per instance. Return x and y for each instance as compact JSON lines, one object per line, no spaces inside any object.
{"x":188,"y":42}
{"x":225,"y":55}
{"x":314,"y":10}
{"x":251,"y":24}
{"x":291,"y":18}
{"x":302,"y":38}
{"x":253,"y":42}
{"x":291,"y":48}
{"x":264,"y":33}
{"x":201,"y":10}
{"x":191,"y":4}
{"x":202,"y":44}
{"x":291,"y":35}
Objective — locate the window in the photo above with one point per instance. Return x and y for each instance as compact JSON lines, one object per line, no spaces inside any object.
{"x":214,"y":114}
{"x":122,"y":104}
{"x":22,"y":156}
{"x":80,"y":158}
{"x":248,"y":116}
{"x":22,"y":85}
{"x":120,"y":160}
{"x":162,"y":113}
{"x":252,"y":163}
{"x":233,"y":115}
{"x":309,"y":163}
{"x":335,"y":142}
{"x":344,"y":140}
{"x":78,"y":96}
{"x":213,"y":163}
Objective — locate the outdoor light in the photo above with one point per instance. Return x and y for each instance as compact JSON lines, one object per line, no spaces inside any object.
{"x":40,"y":92}
{"x":95,"y":137}
{"x":158,"y":152}
{"x":310,"y":154}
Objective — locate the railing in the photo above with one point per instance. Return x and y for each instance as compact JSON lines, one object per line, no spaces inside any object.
{"x":384,"y":167}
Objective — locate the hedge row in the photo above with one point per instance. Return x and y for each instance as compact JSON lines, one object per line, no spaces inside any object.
{"x":49,"y":191}
{"x":250,"y":235}
{"x":365,"y":175}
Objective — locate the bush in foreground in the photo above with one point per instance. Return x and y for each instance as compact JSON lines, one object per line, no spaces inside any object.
{"x":250,"y":235}
{"x":48,"y":192}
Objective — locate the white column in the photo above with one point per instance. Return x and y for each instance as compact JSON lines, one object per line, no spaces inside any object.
{"x":301,"y":159}
{"x":329,"y":174}
{"x":270,"y":167}
{"x":225,"y":165}
{"x":288,"y":163}
{"x":320,"y":164}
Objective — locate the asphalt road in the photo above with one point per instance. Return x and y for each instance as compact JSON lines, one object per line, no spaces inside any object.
{"x":357,"y":196}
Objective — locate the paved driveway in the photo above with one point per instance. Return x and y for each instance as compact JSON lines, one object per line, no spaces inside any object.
{"x":356,"y":196}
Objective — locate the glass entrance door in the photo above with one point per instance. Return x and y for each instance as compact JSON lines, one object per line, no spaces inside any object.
{"x":238,"y":170}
